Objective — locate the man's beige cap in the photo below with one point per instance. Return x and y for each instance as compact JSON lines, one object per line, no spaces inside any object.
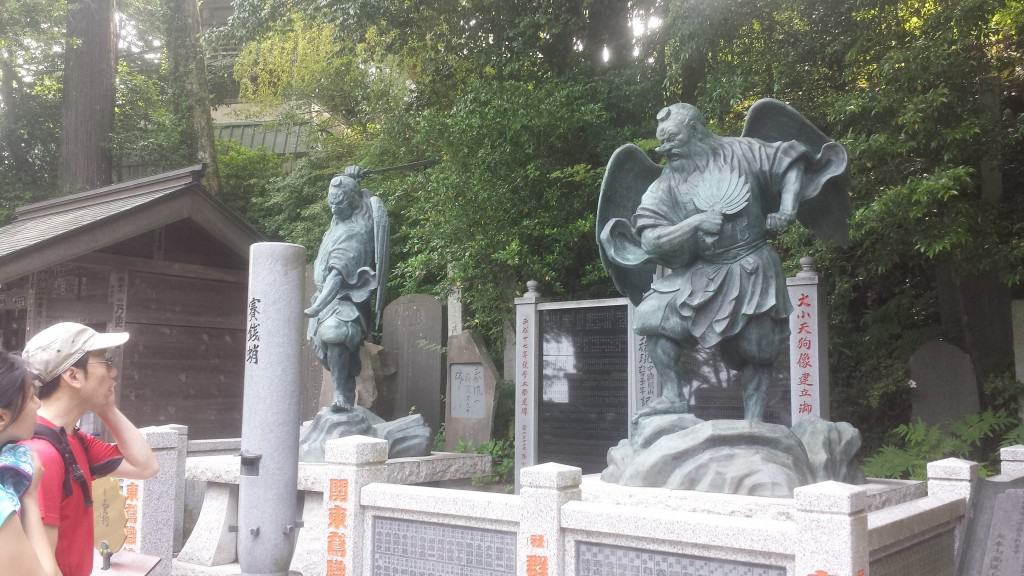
{"x":55,"y":349}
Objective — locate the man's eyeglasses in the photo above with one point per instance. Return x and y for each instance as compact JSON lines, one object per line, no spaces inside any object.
{"x":108,"y":361}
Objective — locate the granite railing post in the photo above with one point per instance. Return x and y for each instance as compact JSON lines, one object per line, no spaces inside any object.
{"x":832,"y":525}
{"x":352,"y":463}
{"x":179,"y":487}
{"x":953,"y":478}
{"x":1012,"y":460}
{"x":539,"y":545}
{"x":150,"y":504}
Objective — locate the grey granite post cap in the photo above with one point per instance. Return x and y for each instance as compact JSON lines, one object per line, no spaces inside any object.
{"x":355,"y":450}
{"x":550,"y":475}
{"x":1010,"y":454}
{"x":179,"y":428}
{"x":953,"y":469}
{"x":831,"y":497}
{"x":160,"y":437}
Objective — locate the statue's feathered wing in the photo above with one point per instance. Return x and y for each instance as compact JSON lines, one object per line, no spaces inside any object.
{"x":825,"y":203}
{"x":627,"y":177}
{"x":381,"y":253}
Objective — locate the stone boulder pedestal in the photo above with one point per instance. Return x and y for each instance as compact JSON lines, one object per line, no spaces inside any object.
{"x":406,"y":436}
{"x":752,"y":458}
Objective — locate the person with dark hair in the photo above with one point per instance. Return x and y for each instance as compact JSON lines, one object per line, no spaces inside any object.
{"x":24,"y":547}
{"x":72,"y":359}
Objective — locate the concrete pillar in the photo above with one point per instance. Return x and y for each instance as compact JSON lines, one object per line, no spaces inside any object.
{"x":179,"y":494}
{"x":1012,"y":458}
{"x":544,"y":489}
{"x":832,"y":525}
{"x":527,"y":349}
{"x":150,"y":504}
{"x":953,"y":478}
{"x":268,"y":518}
{"x":808,"y":345}
{"x":352,"y":462}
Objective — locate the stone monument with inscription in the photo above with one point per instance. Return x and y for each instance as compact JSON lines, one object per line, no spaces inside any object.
{"x":414,"y":338}
{"x":706,"y":217}
{"x":472,"y":379}
{"x":351,"y":266}
{"x":943,"y":385}
{"x":993,"y":542}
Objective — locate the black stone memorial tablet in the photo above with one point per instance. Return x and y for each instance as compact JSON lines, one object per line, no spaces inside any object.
{"x":583,"y":391}
{"x":994,"y":542}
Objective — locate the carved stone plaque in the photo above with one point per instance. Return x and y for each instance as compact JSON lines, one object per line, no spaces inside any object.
{"x":994,"y":544}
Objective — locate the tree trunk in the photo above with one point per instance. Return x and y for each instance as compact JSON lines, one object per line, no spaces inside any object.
{"x":976,"y":310}
{"x":9,"y":109}
{"x":190,"y":93}
{"x":88,"y":109}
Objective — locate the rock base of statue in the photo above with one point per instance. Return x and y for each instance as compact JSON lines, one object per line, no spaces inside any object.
{"x":683,"y":452}
{"x":406,"y":436}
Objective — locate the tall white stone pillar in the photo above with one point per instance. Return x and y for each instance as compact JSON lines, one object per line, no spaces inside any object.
{"x":527,"y":347}
{"x":268,"y":519}
{"x":808,"y":344}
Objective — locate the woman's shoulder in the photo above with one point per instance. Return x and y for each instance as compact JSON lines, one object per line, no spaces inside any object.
{"x":15,"y":477}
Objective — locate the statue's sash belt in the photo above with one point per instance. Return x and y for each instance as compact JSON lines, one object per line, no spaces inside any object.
{"x":736,"y":252}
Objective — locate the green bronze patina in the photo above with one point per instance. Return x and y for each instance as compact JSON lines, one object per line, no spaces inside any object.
{"x":707,"y":215}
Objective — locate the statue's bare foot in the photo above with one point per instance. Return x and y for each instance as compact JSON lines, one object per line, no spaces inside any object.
{"x":341,"y":406}
{"x":662,"y":405}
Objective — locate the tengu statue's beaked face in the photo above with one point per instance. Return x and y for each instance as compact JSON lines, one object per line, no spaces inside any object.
{"x":342,"y":196}
{"x":678,"y":126}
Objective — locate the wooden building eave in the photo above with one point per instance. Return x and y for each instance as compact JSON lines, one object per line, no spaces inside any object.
{"x":190,"y":201}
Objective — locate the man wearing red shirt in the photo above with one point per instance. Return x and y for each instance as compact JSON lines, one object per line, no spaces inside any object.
{"x":72,"y":360}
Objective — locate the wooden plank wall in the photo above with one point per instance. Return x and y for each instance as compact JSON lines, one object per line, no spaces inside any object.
{"x":183,"y":363}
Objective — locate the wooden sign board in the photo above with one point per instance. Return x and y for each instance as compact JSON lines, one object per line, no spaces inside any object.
{"x":108,"y":514}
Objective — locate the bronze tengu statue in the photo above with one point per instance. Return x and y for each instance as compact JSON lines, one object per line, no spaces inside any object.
{"x":706,"y":217}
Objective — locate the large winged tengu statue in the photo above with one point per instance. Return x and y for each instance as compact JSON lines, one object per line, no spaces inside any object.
{"x":706,"y":215}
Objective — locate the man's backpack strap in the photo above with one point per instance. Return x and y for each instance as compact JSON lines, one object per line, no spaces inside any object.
{"x":72,"y":471}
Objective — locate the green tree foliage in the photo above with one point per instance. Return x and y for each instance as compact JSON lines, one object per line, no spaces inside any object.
{"x":246,"y":175}
{"x":522,"y":101}
{"x":513,"y":198}
{"x":30,"y":100}
{"x":519,"y":104}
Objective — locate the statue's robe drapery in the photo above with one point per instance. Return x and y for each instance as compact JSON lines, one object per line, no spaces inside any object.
{"x":347,"y":246}
{"x":716,"y":286}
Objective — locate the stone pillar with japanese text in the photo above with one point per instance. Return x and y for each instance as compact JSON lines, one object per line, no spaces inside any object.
{"x":808,"y":344}
{"x":352,"y":462}
{"x":150,"y":505}
{"x":527,"y":334}
{"x":643,"y":380}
